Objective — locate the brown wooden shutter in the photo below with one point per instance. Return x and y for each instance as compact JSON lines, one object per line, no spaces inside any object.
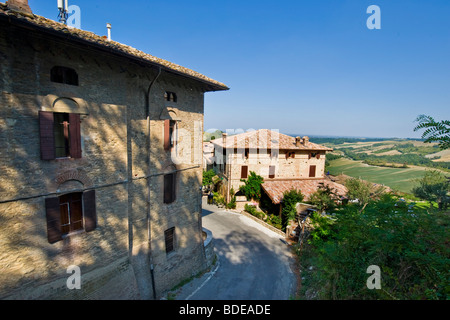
{"x":318,"y":155}
{"x":312,"y":171}
{"x":169,"y":236}
{"x":75,"y":136}
{"x":53,"y":216}
{"x":244,"y":172}
{"x":89,"y":211}
{"x":47,"y":137}
{"x":166,"y":135}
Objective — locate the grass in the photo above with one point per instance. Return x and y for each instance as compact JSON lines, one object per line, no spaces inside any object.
{"x":399,"y":179}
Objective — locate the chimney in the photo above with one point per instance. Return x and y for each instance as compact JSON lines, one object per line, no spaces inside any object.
{"x":19,"y":6}
{"x":297,"y":141}
{"x":224,"y":140}
{"x":108,"y":26}
{"x":305,"y":140}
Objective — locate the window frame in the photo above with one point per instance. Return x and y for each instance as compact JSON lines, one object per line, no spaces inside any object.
{"x":53,"y":208}
{"x":64,"y":75}
{"x":169,"y":188}
{"x":290,"y":155}
{"x":170,"y":240}
{"x":312,"y":169}
{"x":272,"y":172}
{"x":170,"y":132}
{"x":170,"y":96}
{"x":68,"y":201}
{"x":47,"y":135}
{"x":244,"y":176}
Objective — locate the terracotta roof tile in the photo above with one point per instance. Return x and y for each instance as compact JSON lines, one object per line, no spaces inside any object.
{"x":89,"y":37}
{"x":276,"y":189}
{"x":269,"y":139}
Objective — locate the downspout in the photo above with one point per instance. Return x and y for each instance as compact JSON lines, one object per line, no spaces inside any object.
{"x":149,"y":230}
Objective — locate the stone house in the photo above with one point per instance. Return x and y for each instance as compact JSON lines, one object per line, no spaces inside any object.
{"x":283,"y":161}
{"x":100,"y":161}
{"x":208,"y":156}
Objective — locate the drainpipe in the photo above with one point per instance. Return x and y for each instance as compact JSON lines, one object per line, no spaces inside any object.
{"x":149,"y":229}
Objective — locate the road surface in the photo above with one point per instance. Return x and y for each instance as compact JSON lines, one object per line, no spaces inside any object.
{"x":254,"y":263}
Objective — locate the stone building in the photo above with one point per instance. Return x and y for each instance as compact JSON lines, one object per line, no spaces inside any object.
{"x":100,"y":161}
{"x":283,"y":161}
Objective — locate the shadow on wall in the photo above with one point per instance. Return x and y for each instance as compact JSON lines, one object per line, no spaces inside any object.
{"x":29,"y":264}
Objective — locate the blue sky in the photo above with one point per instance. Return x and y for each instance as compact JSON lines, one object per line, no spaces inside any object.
{"x":308,"y":67}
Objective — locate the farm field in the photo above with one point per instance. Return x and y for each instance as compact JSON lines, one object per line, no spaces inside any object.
{"x":399,"y":179}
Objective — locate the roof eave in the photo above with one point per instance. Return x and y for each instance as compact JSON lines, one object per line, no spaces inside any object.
{"x":24,"y":23}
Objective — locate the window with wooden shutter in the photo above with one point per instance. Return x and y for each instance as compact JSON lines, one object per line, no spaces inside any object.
{"x":47,"y":139}
{"x":89,"y":211}
{"x":60,"y":135}
{"x":74,"y":136}
{"x":314,"y":155}
{"x":312,"y":171}
{"x":290,"y":155}
{"x":169,"y":188}
{"x":69,"y":213}
{"x":169,"y":132}
{"x":169,"y":237}
{"x":53,"y":216}
{"x":271,"y":172}
{"x":244,"y":172}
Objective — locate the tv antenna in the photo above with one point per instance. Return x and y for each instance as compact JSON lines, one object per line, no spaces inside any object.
{"x":63,"y":6}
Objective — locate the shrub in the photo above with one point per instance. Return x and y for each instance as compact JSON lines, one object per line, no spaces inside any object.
{"x":252,"y":210}
{"x":409,"y":245}
{"x":290,"y":200}
{"x":218,"y":198}
{"x":207,"y":177}
{"x":274,"y":221}
{"x":232,"y":203}
{"x":252,"y":186}
{"x":249,"y":208}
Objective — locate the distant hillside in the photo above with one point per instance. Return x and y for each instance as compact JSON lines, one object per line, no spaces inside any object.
{"x":208,"y":136}
{"x":393,"y":153}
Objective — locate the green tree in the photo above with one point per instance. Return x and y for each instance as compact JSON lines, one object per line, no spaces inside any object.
{"x":408,"y":244}
{"x":207,"y":177}
{"x":434,"y":131}
{"x":325,"y":199}
{"x":434,"y":187}
{"x":362,"y":191}
{"x":289,"y":203}
{"x":252,"y":186}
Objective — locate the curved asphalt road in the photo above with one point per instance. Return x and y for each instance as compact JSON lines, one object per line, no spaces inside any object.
{"x":253,"y":262}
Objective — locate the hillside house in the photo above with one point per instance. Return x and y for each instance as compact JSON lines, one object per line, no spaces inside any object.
{"x":101,"y":164}
{"x":283,"y":161}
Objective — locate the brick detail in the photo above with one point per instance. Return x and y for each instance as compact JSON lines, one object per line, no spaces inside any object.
{"x":73,"y":175}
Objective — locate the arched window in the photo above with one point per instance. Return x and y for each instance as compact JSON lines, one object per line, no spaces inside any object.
{"x":64,"y":75}
{"x":170,"y":96}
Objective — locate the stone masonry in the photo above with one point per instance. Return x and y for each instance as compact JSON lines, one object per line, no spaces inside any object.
{"x":123,"y":160}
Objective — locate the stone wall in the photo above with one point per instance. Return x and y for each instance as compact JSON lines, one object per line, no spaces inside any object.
{"x":290,"y":168}
{"x":116,"y":258}
{"x":208,"y":243}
